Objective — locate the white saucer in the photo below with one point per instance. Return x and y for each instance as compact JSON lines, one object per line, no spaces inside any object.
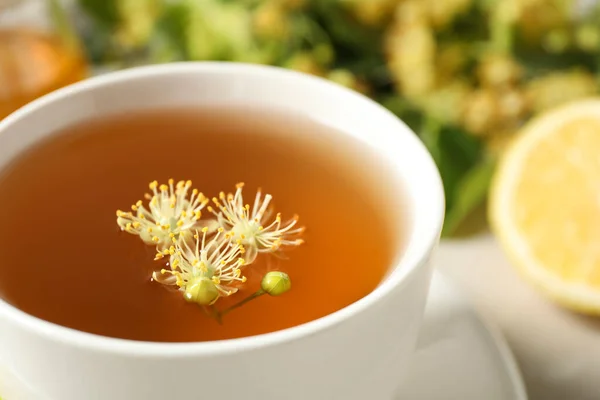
{"x":459,"y":356}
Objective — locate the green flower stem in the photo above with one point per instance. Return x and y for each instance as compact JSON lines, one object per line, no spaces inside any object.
{"x":242,"y":302}
{"x":211,"y":311}
{"x":430,"y":134}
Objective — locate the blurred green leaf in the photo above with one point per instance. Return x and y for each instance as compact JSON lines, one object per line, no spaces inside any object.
{"x":352,"y":38}
{"x":62,"y":24}
{"x":460,"y":158}
{"x":170,"y":37}
{"x":538,"y":63}
{"x":470,"y":192}
{"x":403,"y":109}
{"x":454,"y":151}
{"x":104,"y":12}
{"x":97,"y":38}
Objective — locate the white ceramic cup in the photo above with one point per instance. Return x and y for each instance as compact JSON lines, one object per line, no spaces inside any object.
{"x":357,"y":353}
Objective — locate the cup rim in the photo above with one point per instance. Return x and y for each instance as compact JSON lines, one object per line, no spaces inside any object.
{"x":129,"y":347}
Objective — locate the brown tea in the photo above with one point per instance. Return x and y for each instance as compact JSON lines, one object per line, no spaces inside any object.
{"x":65,"y":260}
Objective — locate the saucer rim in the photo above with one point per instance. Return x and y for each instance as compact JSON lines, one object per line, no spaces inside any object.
{"x":496,"y":339}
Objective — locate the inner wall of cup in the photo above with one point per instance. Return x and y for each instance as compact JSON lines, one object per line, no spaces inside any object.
{"x":412,"y":198}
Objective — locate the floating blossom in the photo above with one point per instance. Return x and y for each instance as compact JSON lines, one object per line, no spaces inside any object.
{"x":170,"y":214}
{"x":249,"y":228}
{"x":208,"y":266}
{"x":206,"y":269}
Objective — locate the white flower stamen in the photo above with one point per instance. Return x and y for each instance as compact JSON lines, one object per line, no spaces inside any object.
{"x":247,"y":226}
{"x":218,"y":261}
{"x":169,"y":214}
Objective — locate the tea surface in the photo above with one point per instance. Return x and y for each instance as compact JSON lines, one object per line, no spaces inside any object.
{"x":65,"y":260}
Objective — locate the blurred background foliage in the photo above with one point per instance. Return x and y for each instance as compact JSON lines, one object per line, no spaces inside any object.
{"x":464,"y":74}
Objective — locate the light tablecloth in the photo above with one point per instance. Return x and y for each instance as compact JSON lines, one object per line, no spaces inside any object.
{"x":558,"y":351}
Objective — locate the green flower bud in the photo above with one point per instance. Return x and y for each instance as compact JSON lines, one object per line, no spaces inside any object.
{"x":201,"y":291}
{"x":276,"y":283}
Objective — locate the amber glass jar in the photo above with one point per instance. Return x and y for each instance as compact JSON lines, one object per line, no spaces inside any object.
{"x":39,"y":51}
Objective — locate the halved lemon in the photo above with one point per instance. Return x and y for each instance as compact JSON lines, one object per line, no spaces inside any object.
{"x":545,"y":204}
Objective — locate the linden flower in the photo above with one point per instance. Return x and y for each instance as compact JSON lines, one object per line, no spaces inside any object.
{"x":170,"y":214}
{"x":206,"y":269}
{"x":249,"y":227}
